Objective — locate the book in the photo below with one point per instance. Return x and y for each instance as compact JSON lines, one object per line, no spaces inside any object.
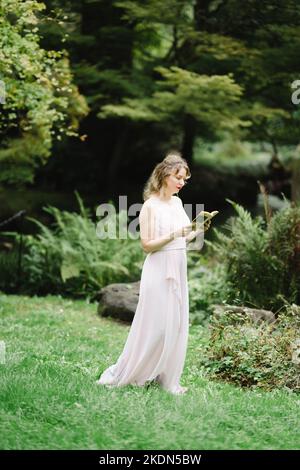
{"x":207,"y":216}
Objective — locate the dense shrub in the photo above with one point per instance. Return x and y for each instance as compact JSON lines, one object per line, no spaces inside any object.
{"x":207,"y":286}
{"x":251,"y":355}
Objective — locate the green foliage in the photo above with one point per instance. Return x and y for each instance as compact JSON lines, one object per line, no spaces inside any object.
{"x":255,"y":355}
{"x":160,"y":27}
{"x":8,"y":269}
{"x":217,"y":39}
{"x":261,"y":262}
{"x":209,"y":99}
{"x":178,"y":64}
{"x":267,"y":123}
{"x":231,"y":152}
{"x":206,"y":287}
{"x":40,"y":101}
{"x":284,"y":245}
{"x":153,"y":11}
{"x":236,"y":157}
{"x":68,"y":258}
{"x":221,"y":47}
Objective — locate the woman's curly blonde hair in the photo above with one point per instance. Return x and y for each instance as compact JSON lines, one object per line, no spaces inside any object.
{"x":173,"y":160}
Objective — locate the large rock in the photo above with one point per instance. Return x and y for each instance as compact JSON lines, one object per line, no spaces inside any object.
{"x":254,"y":314}
{"x":119,"y":300}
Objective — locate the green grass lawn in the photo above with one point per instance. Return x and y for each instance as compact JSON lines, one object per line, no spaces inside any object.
{"x":56,"y":349}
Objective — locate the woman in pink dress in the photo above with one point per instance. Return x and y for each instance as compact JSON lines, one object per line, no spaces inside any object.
{"x":156,"y":345}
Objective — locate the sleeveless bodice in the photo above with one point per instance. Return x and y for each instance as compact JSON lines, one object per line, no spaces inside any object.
{"x":169,"y":216}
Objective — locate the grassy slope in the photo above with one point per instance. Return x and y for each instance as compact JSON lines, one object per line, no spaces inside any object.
{"x":56,"y":349}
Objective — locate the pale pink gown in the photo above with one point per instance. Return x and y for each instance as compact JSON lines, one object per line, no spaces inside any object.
{"x":156,"y":345}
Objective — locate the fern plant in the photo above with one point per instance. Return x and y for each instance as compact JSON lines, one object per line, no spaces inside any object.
{"x":69,"y":258}
{"x":284,"y":244}
{"x":261,"y":260}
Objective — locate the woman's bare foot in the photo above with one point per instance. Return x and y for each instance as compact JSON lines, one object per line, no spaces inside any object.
{"x":98,"y":382}
{"x":183,"y":390}
{"x":179,"y":390}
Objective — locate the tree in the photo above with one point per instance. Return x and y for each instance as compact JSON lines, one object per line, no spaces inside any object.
{"x":159,"y":74}
{"x":258,"y":43}
{"x":210,"y":101}
{"x":41,"y":102}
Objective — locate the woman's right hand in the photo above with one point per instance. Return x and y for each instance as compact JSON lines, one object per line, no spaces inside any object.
{"x":183,"y":231}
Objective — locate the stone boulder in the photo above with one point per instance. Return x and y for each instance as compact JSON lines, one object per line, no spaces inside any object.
{"x":254,"y":314}
{"x":119,"y":300}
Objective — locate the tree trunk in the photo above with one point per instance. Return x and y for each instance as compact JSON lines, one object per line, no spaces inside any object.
{"x":114,"y":161}
{"x":189,"y":130}
{"x":201,"y":12}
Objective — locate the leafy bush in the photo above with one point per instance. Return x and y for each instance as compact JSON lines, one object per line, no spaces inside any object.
{"x":207,"y":286}
{"x":68,"y":258}
{"x":284,"y":244}
{"x":41,"y":101}
{"x":251,"y":355}
{"x":261,"y":261}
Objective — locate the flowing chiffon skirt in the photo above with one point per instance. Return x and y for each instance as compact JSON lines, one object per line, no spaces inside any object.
{"x":156,"y":345}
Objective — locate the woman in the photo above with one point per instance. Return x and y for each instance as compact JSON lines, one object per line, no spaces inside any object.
{"x":156,"y":345}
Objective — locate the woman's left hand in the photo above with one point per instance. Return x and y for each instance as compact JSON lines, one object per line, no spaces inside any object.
{"x":202,"y":227}
{"x":207,"y":224}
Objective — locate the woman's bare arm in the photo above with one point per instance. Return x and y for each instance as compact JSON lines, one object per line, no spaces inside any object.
{"x":147,"y":231}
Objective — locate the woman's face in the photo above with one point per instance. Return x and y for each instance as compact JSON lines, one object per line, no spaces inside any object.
{"x":176,"y":180}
